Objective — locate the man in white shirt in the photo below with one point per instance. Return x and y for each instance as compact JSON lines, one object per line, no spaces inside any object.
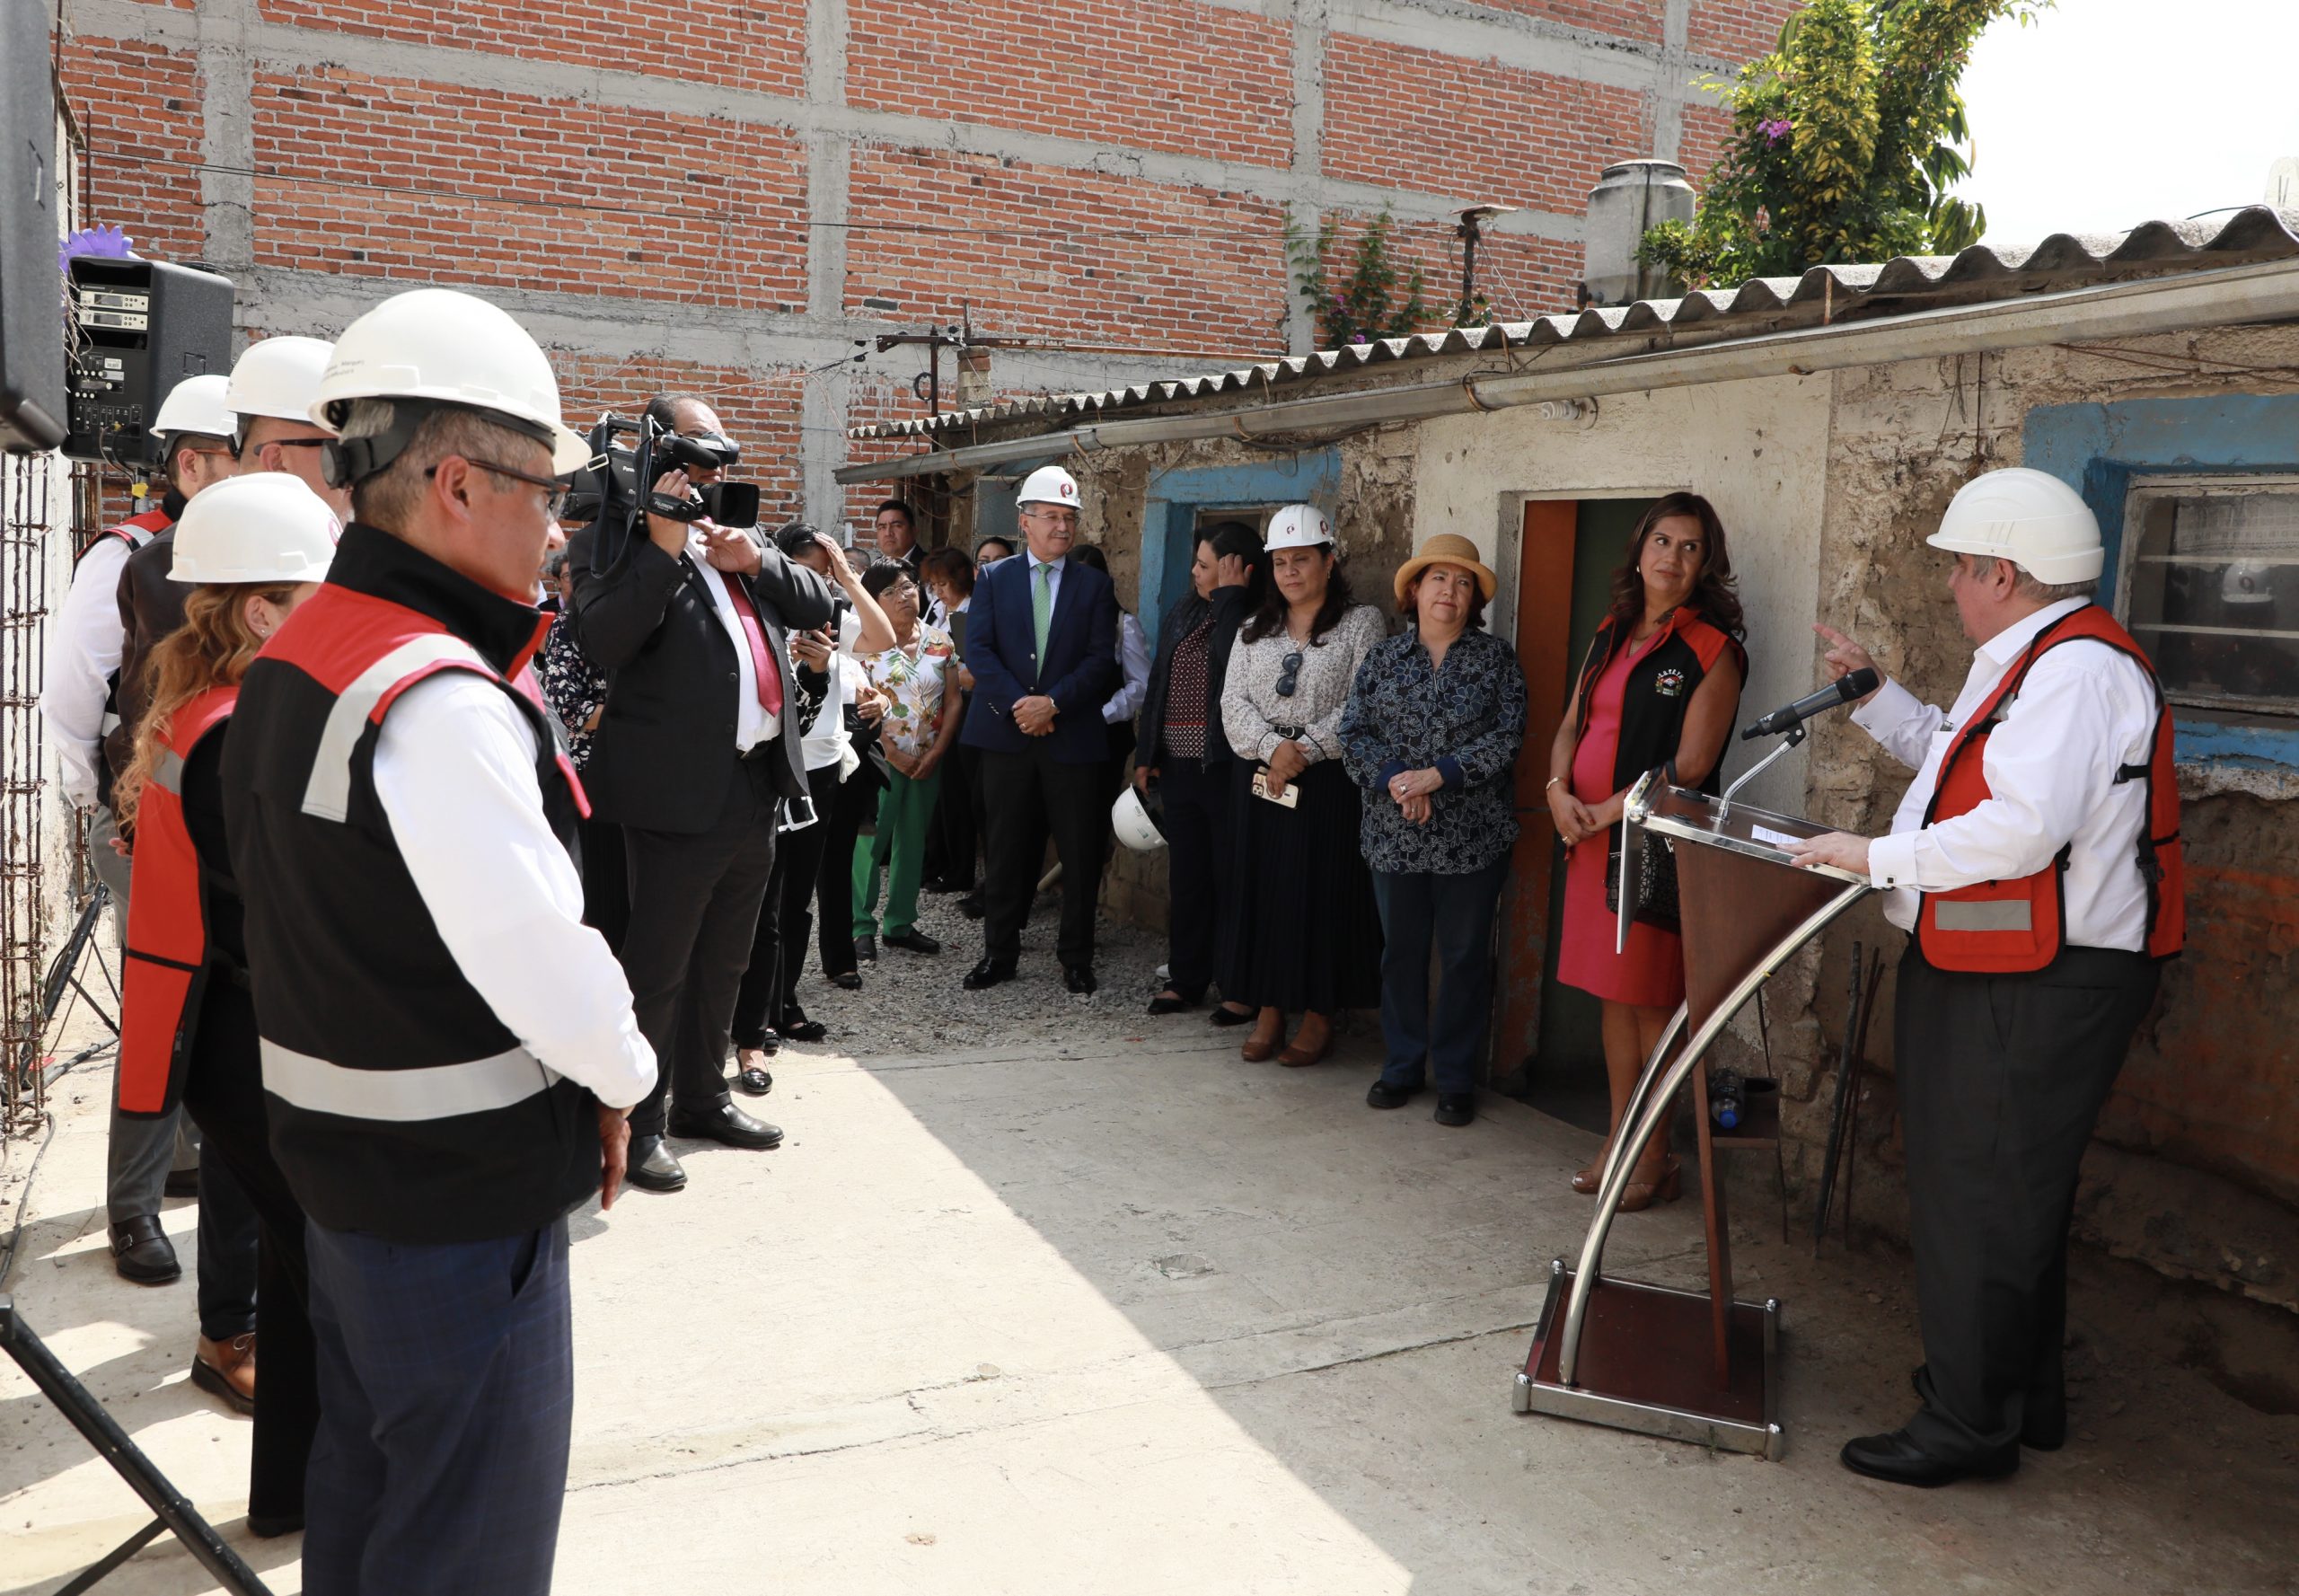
{"x":2035,"y":859}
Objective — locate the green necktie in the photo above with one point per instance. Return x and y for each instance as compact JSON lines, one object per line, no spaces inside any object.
{"x":1042,"y":608}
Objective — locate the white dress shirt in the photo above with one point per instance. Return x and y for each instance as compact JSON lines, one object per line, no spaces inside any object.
{"x":753,"y":724}
{"x":456,"y":772}
{"x":824,"y":744}
{"x":1133,"y":653}
{"x":85,"y":645}
{"x":2084,"y":711}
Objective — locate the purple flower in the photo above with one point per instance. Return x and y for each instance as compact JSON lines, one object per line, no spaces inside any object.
{"x":1774,"y":132}
{"x":1359,"y":338}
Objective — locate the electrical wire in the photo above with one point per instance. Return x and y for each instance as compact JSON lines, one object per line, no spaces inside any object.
{"x":25,"y":1200}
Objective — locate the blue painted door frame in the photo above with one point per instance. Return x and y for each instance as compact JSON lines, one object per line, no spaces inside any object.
{"x":1177,"y":497}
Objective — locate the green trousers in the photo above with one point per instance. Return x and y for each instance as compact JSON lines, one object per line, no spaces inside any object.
{"x":899,"y":847}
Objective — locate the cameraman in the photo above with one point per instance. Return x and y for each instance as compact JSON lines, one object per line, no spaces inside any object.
{"x":697,"y":750}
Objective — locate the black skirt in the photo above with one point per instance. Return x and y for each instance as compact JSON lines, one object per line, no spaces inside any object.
{"x":1303,"y":932}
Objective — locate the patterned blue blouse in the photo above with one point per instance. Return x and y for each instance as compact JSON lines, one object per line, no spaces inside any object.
{"x":1468,"y":721}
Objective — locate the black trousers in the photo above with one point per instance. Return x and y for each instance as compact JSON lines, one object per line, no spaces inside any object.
{"x":855,"y":805}
{"x":778,"y":951}
{"x":953,"y":842}
{"x":2001,"y":1080}
{"x":1027,"y":796}
{"x":607,"y":881}
{"x":223,"y":1092}
{"x":1200,"y":823}
{"x":694,"y":904}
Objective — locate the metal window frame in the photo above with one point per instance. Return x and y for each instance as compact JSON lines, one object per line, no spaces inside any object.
{"x":2147,"y":487}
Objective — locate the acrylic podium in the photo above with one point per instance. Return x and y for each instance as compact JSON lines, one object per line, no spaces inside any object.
{"x":1688,"y":1365}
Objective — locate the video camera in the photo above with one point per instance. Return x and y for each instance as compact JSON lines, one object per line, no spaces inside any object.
{"x":614,"y":490}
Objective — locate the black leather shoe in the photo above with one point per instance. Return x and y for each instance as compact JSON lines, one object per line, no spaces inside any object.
{"x":271,"y":1526}
{"x":970,"y":906}
{"x":1382,"y":1095}
{"x":651,"y":1168}
{"x":797,"y":1027}
{"x":754,"y":1083}
{"x":181,"y":1183}
{"x":1224,"y":1015}
{"x":848,"y":979}
{"x":727,"y":1124}
{"x":865,"y":950}
{"x":1079,"y":978}
{"x":142,"y":1252}
{"x":916,"y":940}
{"x":1896,"y":1458}
{"x":1172,"y":1003}
{"x":989,"y":972}
{"x":1455,"y":1109}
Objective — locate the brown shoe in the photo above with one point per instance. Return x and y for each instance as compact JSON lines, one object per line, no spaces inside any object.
{"x":1301,"y":1058}
{"x":1585,"y":1181}
{"x":1256,"y":1050}
{"x":1640,"y":1195}
{"x":226,"y":1369}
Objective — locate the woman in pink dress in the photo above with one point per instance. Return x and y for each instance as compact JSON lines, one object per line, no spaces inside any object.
{"x":1660,"y":686}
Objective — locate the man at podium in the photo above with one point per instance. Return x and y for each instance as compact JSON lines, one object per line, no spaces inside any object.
{"x":2035,"y":861}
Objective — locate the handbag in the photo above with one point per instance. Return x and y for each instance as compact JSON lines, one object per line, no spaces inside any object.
{"x":1656,"y":883}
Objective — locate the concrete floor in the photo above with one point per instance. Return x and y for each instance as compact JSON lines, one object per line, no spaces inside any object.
{"x":1127,"y":1316}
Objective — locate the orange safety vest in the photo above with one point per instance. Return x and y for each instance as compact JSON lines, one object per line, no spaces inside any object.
{"x":2014,"y":927}
{"x":134,"y":532}
{"x":167,"y":964}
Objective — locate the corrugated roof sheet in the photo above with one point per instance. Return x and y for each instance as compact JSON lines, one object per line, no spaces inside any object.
{"x":1980,"y":273}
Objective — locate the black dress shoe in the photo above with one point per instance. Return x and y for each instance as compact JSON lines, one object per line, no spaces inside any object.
{"x":142,"y":1252}
{"x":1899,"y":1459}
{"x":753,"y":1083}
{"x":970,"y":906}
{"x":916,"y":940}
{"x":181,"y":1183}
{"x":797,"y":1027}
{"x":848,"y":980}
{"x":1224,"y":1015}
{"x":1170,"y":1002}
{"x":865,"y":950}
{"x":270,"y":1526}
{"x":651,"y":1168}
{"x":989,"y":972}
{"x":727,"y":1124}
{"x":1455,"y":1109}
{"x":1382,"y":1095}
{"x":1079,"y":978}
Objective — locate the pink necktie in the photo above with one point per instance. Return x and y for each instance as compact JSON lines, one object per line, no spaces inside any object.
{"x":762,"y":665}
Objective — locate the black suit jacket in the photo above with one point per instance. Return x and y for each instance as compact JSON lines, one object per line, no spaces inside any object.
{"x":664,"y":752}
{"x":1227,"y":608}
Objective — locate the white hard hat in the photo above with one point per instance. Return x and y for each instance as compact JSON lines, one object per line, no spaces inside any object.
{"x":278,"y":377}
{"x":1130,"y":817}
{"x":2247,"y":582}
{"x":450,"y":347}
{"x":264,"y":527}
{"x":1298,"y":527}
{"x":1049,"y":484}
{"x":197,"y":405}
{"x":2028,"y":518}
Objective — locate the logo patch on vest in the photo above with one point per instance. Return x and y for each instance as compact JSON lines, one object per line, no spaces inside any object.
{"x":1670,"y":683}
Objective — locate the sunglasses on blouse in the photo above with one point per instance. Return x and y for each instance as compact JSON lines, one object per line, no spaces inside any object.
{"x":1289,"y":674}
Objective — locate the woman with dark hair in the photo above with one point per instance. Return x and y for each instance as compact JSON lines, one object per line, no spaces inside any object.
{"x":1303,"y":932}
{"x":990,"y":552}
{"x":1659,"y":688}
{"x":577,"y":692}
{"x":916,"y":735}
{"x":951,"y":849}
{"x":1432,"y":735}
{"x":1182,"y":752}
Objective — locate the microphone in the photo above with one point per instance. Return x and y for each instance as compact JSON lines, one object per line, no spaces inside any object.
{"x":1860,"y":683}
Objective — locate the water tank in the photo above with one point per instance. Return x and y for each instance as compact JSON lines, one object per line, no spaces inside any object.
{"x":1629,"y":199}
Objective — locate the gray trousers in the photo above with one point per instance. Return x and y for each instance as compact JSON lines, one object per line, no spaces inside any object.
{"x":143,"y":1150}
{"x":2001,"y":1080}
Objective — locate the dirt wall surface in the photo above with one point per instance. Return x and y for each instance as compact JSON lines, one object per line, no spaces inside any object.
{"x":2198,"y":1170}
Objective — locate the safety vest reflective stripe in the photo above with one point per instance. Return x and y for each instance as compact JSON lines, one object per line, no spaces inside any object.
{"x":328,"y":793}
{"x":438,"y":1091}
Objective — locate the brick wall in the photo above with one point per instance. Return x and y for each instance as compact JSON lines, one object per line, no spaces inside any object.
{"x":738,"y":195}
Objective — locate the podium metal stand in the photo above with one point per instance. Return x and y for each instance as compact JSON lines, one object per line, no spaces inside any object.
{"x":1687,"y":1365}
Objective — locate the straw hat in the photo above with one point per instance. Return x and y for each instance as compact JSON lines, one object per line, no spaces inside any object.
{"x":1448,"y":548}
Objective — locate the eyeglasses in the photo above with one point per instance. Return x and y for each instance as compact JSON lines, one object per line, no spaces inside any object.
{"x":1289,"y":674}
{"x":555,"y":491}
{"x":1058,"y":518}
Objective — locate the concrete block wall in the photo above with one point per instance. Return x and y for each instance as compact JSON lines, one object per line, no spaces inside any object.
{"x":731,"y":192}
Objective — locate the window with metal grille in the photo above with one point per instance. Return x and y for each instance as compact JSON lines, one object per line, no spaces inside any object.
{"x":2210,"y":587}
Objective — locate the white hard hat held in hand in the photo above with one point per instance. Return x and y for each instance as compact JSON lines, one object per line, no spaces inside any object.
{"x":1135,"y":826}
{"x":446,"y":347}
{"x":265,"y":528}
{"x":197,"y":405}
{"x":1049,"y":484}
{"x":278,"y":377}
{"x":2028,"y":518}
{"x":1298,"y":527}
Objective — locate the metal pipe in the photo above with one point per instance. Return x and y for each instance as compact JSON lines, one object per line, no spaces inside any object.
{"x":2228,"y":296}
{"x":1663,"y":1101}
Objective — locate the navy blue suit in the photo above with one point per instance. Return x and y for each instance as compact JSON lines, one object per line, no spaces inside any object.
{"x":1032,"y":786}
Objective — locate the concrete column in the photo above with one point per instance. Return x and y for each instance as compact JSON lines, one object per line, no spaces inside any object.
{"x":225,"y":57}
{"x":1671,"y":73}
{"x":822,"y":438}
{"x":1310,"y":19}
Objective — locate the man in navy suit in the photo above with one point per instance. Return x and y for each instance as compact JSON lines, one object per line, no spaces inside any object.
{"x":1042,"y":642}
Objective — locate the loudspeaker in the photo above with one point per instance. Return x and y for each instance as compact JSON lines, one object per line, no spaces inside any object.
{"x":143,"y":326}
{"x":32,"y":295}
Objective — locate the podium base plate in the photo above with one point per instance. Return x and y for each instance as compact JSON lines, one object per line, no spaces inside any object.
{"x":1647,"y":1364}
